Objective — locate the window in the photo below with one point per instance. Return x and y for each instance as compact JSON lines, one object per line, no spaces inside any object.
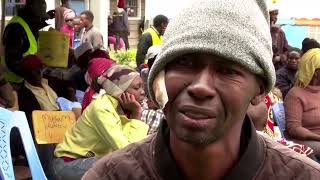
{"x":133,"y":8}
{"x":78,"y":6}
{"x":13,"y":6}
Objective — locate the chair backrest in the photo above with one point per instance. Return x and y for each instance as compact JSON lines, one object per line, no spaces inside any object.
{"x":279,"y":116}
{"x":50,"y":126}
{"x":17,"y":119}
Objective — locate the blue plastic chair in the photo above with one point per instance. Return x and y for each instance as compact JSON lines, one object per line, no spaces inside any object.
{"x":18,"y":119}
{"x":280,"y":117}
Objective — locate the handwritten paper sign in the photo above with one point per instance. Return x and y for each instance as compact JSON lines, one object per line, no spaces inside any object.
{"x":54,"y":48}
{"x":50,"y":126}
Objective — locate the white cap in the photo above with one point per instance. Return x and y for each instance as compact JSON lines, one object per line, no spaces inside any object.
{"x":153,"y":51}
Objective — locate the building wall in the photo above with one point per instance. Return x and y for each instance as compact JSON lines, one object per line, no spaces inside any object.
{"x":133,"y":22}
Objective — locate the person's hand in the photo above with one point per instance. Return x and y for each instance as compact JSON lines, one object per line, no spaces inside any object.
{"x":51,"y":13}
{"x":129,"y":103}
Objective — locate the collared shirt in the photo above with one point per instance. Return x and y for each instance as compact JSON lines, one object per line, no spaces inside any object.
{"x":152,"y":118}
{"x":93,"y":36}
{"x":45,"y":96}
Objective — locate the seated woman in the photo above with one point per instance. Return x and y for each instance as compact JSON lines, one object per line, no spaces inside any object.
{"x":302,"y":107}
{"x":110,"y":122}
{"x":96,"y":67}
{"x":35,"y":94}
{"x":286,"y":74}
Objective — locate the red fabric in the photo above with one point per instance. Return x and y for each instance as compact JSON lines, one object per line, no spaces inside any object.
{"x":67,"y":159}
{"x":95,"y":68}
{"x":268,"y":103}
{"x":31,"y":62}
{"x":97,"y":65}
{"x":67,"y":29}
{"x":87,"y":98}
{"x":121,"y":4}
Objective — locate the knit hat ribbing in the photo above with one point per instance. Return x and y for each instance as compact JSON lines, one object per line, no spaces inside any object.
{"x":236,"y":30}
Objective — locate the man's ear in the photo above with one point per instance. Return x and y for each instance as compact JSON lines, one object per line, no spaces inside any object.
{"x":260,"y":95}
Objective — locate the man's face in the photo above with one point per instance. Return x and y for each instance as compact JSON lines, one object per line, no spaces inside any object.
{"x":163,"y":28}
{"x":273,"y":16}
{"x":84,"y":21}
{"x":208,"y":96}
{"x":293,"y":60}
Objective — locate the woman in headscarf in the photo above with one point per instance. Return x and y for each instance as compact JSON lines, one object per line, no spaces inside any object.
{"x":302,"y":107}
{"x":68,"y":26}
{"x":96,"y":67}
{"x":110,"y":122}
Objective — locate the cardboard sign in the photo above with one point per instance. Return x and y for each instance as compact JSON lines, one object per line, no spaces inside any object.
{"x":50,"y":126}
{"x":54,"y":48}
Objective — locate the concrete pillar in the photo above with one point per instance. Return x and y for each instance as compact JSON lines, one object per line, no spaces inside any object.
{"x":101,"y":10}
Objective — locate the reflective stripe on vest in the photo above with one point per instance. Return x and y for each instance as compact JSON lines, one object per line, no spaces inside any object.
{"x":156,"y":40}
{"x":33,"y":48}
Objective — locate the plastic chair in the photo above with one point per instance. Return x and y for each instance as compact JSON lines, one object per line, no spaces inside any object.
{"x":17,"y":119}
{"x":279,"y":116}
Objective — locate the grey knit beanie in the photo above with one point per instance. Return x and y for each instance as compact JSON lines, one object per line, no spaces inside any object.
{"x":236,"y":30}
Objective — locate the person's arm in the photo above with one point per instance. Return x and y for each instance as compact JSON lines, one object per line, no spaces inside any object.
{"x":6,"y":93}
{"x":16,"y":43}
{"x":97,"y":40}
{"x":143,"y":46}
{"x":282,"y":83}
{"x":118,"y":131}
{"x":293,"y":112}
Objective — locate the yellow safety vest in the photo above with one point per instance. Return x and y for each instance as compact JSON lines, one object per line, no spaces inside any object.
{"x":33,"y":49}
{"x":156,"y":39}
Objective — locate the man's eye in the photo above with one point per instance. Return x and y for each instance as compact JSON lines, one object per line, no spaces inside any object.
{"x":185,"y":62}
{"x":227,"y":71}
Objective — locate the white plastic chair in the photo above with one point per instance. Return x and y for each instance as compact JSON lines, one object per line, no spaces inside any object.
{"x":17,"y":119}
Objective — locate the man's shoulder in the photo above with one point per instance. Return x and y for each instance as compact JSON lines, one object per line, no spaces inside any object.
{"x":95,"y":30}
{"x":281,"y":161}
{"x":130,"y":162}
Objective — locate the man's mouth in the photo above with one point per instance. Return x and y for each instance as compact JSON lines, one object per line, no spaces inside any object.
{"x":197,"y":113}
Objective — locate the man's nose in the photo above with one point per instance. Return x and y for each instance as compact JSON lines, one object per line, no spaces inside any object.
{"x":203,"y":85}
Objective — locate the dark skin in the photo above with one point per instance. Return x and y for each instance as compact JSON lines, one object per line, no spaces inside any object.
{"x":258,"y":114}
{"x":34,"y":77}
{"x":293,"y":60}
{"x":130,"y":100}
{"x":205,"y":142}
{"x":84,"y":59}
{"x":162,"y":28}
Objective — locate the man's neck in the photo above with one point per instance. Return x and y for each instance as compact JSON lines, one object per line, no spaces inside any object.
{"x":213,"y":161}
{"x":88,"y":27}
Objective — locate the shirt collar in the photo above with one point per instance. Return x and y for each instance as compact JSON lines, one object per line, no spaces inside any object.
{"x":246,"y":167}
{"x":88,"y":29}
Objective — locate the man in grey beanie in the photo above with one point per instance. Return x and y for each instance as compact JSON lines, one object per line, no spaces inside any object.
{"x":215,"y":60}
